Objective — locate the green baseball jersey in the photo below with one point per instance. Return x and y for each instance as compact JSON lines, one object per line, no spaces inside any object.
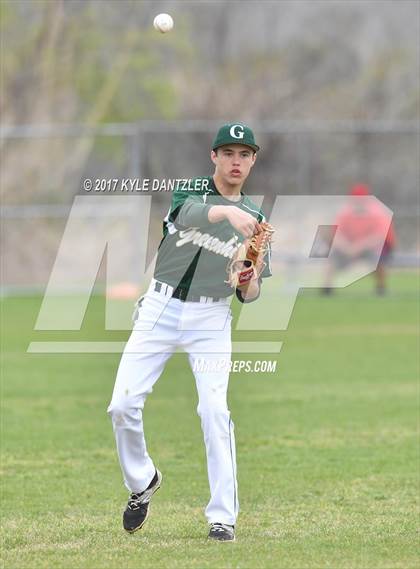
{"x":194,"y":253}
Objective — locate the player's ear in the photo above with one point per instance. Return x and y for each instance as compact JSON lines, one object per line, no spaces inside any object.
{"x":254,"y":157}
{"x":213,"y":156}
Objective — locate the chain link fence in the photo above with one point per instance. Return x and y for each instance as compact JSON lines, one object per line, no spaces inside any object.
{"x":44,"y":168}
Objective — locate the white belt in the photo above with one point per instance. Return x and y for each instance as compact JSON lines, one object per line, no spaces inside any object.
{"x":168,"y":290}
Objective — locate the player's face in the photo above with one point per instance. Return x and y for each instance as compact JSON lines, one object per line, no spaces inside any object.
{"x":233,"y":162}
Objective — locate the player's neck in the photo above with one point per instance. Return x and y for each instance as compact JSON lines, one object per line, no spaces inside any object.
{"x":228,"y":191}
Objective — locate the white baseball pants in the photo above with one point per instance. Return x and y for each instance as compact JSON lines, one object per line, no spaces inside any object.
{"x":202,"y":330}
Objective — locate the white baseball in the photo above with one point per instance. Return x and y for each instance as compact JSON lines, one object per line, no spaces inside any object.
{"x":163,"y":23}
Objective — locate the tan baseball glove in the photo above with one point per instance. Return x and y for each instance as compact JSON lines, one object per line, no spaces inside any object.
{"x":248,"y":263}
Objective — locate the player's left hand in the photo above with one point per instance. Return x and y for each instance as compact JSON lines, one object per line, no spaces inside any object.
{"x":248,"y":263}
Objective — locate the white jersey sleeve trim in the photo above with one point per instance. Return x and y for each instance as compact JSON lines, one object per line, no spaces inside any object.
{"x":253,"y":210}
{"x":170,"y":226}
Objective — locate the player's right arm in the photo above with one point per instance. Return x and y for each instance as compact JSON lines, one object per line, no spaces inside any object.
{"x":242,"y":221}
{"x":193,"y":209}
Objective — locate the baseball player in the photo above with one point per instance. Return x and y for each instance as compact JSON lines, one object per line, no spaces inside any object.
{"x":187,"y":305}
{"x":363,"y":224}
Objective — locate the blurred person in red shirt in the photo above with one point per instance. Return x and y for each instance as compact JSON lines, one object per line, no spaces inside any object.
{"x":362,"y":225}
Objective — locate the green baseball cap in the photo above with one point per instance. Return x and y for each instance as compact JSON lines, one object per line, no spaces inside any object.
{"x":235,"y":133}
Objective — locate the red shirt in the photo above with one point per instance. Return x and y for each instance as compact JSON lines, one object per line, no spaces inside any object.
{"x":358,"y":225}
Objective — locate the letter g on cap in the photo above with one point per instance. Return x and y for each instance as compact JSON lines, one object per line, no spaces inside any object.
{"x":237,"y":131}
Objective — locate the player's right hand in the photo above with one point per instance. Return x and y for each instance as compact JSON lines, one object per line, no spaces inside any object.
{"x":242,"y":221}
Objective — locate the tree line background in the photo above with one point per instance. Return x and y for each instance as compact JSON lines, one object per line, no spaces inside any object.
{"x":89,"y":63}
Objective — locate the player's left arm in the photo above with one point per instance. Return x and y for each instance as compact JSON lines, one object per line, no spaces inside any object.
{"x":249,"y":293}
{"x":252,"y":291}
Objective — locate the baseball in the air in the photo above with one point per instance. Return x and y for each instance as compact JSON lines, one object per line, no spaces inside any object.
{"x":163,"y":23}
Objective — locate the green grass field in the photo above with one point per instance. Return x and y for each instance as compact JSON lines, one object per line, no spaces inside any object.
{"x":327,"y":446}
